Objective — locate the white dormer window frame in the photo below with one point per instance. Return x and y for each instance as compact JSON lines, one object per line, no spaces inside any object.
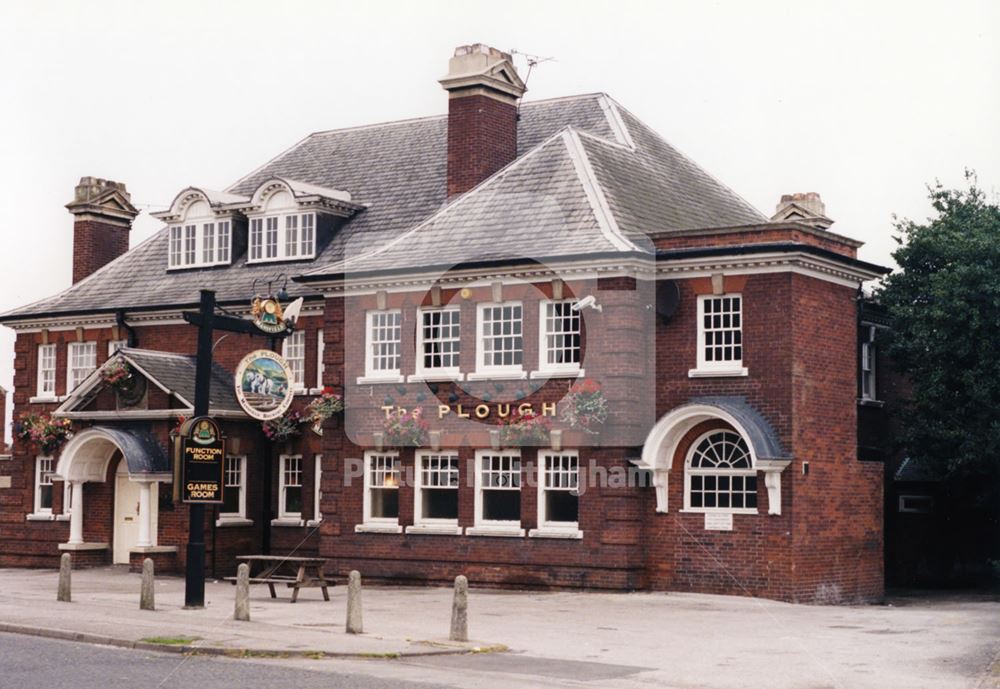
{"x":200,"y":243}
{"x":284,"y":236}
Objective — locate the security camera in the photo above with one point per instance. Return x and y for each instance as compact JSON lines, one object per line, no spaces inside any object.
{"x":588,"y":302}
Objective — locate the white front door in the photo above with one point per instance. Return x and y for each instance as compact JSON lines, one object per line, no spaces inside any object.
{"x":126,"y":514}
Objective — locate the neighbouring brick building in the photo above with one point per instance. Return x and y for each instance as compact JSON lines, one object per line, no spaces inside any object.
{"x":627,"y":377}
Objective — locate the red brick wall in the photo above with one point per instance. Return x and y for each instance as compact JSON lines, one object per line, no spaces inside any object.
{"x":95,"y":244}
{"x":482,"y":138}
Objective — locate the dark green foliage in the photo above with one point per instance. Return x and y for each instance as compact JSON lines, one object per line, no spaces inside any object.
{"x":944,"y":304}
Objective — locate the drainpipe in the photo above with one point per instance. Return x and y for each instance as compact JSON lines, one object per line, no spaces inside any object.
{"x":133,"y":338}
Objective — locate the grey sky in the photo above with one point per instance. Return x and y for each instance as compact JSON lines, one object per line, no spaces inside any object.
{"x":864,"y":102}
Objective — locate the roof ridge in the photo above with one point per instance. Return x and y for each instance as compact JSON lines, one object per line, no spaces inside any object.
{"x":595,"y":193}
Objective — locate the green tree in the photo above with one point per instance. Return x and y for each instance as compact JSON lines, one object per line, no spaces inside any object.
{"x":944,"y":305}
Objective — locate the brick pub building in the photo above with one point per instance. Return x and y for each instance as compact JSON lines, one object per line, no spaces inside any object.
{"x":497,"y":269}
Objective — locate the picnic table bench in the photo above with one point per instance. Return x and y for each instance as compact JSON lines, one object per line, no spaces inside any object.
{"x":295,"y":572}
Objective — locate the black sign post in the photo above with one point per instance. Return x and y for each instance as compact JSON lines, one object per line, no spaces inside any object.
{"x":206,"y":320}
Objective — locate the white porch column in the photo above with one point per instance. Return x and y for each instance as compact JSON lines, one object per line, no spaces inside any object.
{"x":76,"y":514}
{"x":154,"y":501}
{"x":144,"y":516}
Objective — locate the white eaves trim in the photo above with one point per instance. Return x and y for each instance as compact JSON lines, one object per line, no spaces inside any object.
{"x":616,"y":122}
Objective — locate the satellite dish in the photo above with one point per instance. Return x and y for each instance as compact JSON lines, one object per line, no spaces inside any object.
{"x":668,"y":298}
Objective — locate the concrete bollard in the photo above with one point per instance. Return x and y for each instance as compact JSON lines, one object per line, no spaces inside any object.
{"x":354,"y":621}
{"x":460,"y":610}
{"x":147,"y":595}
{"x":242,"y":611}
{"x":65,"y":568}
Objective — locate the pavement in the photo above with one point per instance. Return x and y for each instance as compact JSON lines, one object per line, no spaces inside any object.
{"x":552,"y":639}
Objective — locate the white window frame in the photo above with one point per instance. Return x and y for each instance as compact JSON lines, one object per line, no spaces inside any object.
{"x":320,"y":366}
{"x":304,"y":234}
{"x":44,"y":350}
{"x":494,"y":371}
{"x":433,"y":525}
{"x":317,"y":491}
{"x":297,"y":359}
{"x":493,"y":527}
{"x":115,"y":345}
{"x":283,"y":485}
{"x":571,"y":368}
{"x":72,"y":381}
{"x":241,"y":515}
{"x":178,"y":256}
{"x":868,"y":355}
{"x":556,"y":529}
{"x":38,"y":510}
{"x":447,"y":372}
{"x":732,"y":367}
{"x":688,"y":471}
{"x":378,"y":524}
{"x":372,"y":373}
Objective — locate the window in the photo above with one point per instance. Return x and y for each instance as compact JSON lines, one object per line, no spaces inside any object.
{"x":438,"y":341}
{"x":190,"y":239}
{"x":294,"y":350}
{"x":720,"y":474}
{"x":82,"y":360}
{"x":234,"y":505}
{"x":916,"y":504}
{"x":290,"y":487}
{"x":502,"y":340}
{"x":46,"y":370}
{"x":199,"y":244}
{"x":43,"y":485}
{"x":720,"y":333}
{"x":436,"y":496}
{"x":868,"y":388}
{"x":558,"y":496}
{"x":269,"y":243}
{"x":384,"y":333}
{"x":115,"y":345}
{"x":498,"y":494}
{"x":559,"y":337}
{"x":381,"y":501}
{"x":320,"y":351}
{"x":317,"y":490}
{"x":256,"y":239}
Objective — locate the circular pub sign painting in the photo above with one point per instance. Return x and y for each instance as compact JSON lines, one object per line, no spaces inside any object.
{"x":264,"y":384}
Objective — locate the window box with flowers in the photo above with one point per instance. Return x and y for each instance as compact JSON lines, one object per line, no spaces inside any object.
{"x":46,"y":433}
{"x":585,"y":407}
{"x":404,"y":429}
{"x":525,"y":428}
{"x":322,"y":408}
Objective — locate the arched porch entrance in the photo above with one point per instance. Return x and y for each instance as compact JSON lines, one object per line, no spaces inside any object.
{"x":88,"y":456}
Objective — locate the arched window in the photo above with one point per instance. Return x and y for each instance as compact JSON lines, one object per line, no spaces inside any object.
{"x":719,"y":474}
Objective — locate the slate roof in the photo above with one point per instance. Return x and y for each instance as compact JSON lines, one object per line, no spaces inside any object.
{"x":397,"y":170}
{"x":176,"y":372}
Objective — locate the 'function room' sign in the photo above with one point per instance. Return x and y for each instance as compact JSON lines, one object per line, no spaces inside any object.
{"x":202,"y":461}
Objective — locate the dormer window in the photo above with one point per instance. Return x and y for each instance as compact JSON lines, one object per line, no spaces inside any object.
{"x":282,"y":233}
{"x":201,"y":240}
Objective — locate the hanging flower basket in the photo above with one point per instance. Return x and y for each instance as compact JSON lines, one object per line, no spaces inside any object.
{"x":46,"y":433}
{"x":585,"y":407}
{"x":322,"y":408}
{"x":283,"y":428}
{"x":529,"y":428}
{"x":118,"y":375}
{"x":405,"y":429}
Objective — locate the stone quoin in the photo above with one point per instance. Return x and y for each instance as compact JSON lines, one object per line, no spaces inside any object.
{"x":513,"y":301}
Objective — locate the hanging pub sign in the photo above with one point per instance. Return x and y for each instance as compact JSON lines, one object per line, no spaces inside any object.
{"x":267,"y":314}
{"x":264,"y":384}
{"x":203,"y":452}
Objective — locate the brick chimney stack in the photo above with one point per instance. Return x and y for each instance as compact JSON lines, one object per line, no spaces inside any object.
{"x":483,"y":89}
{"x":102,"y":218}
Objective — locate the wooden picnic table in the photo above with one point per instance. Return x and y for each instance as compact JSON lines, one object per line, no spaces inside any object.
{"x":295,"y":572}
